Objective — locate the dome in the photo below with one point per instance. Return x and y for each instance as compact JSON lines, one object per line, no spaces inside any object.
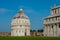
{"x":21,"y":15}
{"x":20,"y":19}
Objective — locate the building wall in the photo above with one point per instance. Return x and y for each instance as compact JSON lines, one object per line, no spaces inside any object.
{"x":5,"y":34}
{"x":36,"y":33}
{"x":31,"y":34}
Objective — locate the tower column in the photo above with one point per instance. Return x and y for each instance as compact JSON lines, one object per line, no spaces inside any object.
{"x":59,"y":10}
{"x":48,"y":28}
{"x":51,"y":30}
{"x":45,"y":30}
{"x":54,"y":29}
{"x":57,"y":29}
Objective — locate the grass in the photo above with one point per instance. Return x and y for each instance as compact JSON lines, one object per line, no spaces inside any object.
{"x":28,"y":38}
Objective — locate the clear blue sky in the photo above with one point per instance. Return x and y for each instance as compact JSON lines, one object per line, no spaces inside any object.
{"x":36,"y":10}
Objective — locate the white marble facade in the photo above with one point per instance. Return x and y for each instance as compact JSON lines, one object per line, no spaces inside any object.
{"x":52,"y":22}
{"x":20,"y":25}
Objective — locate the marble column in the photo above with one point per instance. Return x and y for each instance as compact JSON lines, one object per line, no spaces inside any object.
{"x":57,"y":29}
{"x":51,"y":12}
{"x":44,"y":30}
{"x":51,"y":30}
{"x":45,"y":34}
{"x":59,"y":10}
{"x":48,"y":29}
{"x":54,"y":27}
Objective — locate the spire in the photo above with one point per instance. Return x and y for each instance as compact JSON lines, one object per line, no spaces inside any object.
{"x":21,"y":11}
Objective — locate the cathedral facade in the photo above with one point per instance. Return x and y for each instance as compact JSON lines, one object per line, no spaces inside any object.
{"x":52,"y":22}
{"x":20,"y":25}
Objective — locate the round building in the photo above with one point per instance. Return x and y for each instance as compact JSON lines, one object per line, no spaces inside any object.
{"x":20,"y":25}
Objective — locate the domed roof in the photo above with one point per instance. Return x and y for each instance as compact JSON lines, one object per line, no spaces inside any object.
{"x":21,"y":15}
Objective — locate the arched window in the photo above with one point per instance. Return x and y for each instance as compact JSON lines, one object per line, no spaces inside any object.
{"x":55,"y":11}
{"x":52,"y":26}
{"x":59,"y":25}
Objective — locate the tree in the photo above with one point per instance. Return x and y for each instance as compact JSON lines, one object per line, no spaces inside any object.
{"x":40,"y":30}
{"x":31,"y":30}
{"x":34,"y":30}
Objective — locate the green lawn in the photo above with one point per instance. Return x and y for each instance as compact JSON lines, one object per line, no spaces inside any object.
{"x":28,"y":38}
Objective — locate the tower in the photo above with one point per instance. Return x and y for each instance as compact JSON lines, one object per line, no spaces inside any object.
{"x":52,"y":22}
